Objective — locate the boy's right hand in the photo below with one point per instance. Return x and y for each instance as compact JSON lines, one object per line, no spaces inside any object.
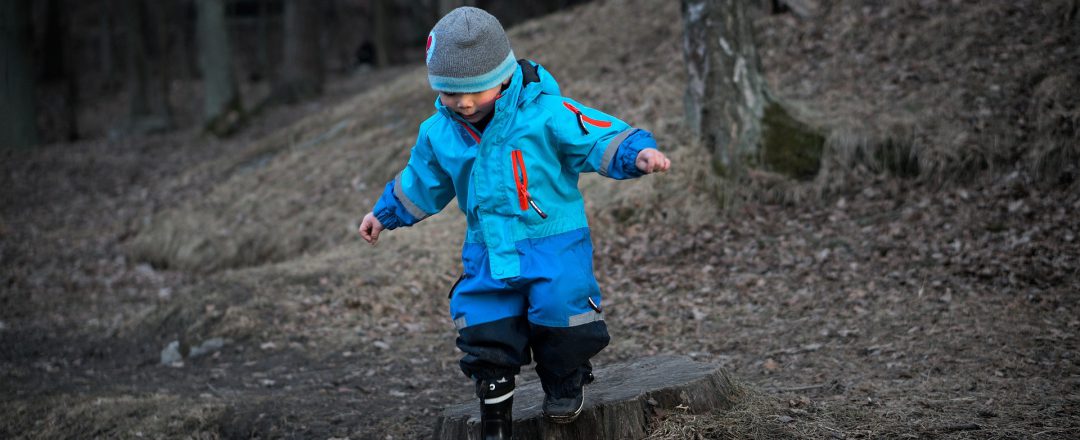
{"x":370,"y":228}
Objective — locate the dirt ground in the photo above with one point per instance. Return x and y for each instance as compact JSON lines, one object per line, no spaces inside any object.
{"x":879,"y":307}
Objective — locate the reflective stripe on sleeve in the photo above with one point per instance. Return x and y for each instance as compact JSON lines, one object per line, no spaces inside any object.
{"x":460,"y":323}
{"x":585,"y":318}
{"x":405,"y":201}
{"x":609,"y":151}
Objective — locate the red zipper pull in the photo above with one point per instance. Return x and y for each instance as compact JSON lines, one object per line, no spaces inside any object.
{"x":521,"y":181}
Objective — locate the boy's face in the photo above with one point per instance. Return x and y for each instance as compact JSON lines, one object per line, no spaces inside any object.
{"x":473,"y":107}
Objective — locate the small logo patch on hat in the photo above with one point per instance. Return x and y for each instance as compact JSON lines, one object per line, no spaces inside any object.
{"x":430,"y":47}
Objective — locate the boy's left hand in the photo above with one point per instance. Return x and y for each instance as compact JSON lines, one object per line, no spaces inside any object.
{"x":651,"y":160}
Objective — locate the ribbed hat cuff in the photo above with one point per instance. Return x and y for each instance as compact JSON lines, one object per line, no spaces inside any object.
{"x":477,"y":83}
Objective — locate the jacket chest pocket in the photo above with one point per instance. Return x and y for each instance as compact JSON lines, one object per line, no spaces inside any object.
{"x":526,"y":201}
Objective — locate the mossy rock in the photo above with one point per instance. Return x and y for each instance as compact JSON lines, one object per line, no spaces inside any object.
{"x":790,"y":147}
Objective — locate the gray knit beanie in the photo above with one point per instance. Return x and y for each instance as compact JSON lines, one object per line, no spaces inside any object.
{"x":468,"y":51}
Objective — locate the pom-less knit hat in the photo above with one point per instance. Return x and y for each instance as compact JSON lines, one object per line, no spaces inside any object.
{"x":468,"y":51}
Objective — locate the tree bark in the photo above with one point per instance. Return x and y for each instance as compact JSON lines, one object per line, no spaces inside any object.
{"x":58,"y":65}
{"x":18,"y":114}
{"x":302,"y":67}
{"x":262,"y":46}
{"x":148,"y":108}
{"x":159,"y":15}
{"x":52,"y":62}
{"x":184,"y":38}
{"x":383,"y":27}
{"x":619,"y":405}
{"x":728,"y":103}
{"x":105,"y":41}
{"x":71,"y":83}
{"x":726,"y":95}
{"x":222,"y":108}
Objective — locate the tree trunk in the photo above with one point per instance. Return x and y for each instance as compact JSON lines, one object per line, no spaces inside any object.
{"x":18,"y":114}
{"x":180,"y":29}
{"x":222,"y":108}
{"x":728,"y":104}
{"x":262,"y":46}
{"x":58,"y":64}
{"x":159,"y":14}
{"x":148,"y":109}
{"x":726,"y":91}
{"x":52,"y":62}
{"x":619,"y":405}
{"x":71,"y":83}
{"x":105,"y":41}
{"x":302,"y":66}
{"x":383,"y":29}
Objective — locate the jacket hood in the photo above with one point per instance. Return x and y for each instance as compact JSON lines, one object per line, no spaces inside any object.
{"x":536,"y":81}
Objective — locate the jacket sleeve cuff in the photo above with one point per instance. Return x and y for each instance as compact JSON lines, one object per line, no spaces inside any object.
{"x":624,"y":165}
{"x":389,"y":210}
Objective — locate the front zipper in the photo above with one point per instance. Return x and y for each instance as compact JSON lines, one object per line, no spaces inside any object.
{"x":469,"y":130}
{"x":521,"y":181}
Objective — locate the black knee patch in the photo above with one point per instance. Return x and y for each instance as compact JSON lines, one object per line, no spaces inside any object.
{"x":562,"y":350}
{"x":495,"y":349}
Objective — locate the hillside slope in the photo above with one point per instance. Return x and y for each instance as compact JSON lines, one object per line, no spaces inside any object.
{"x":303,"y":188}
{"x":962,"y":88}
{"x":958,"y":89}
{"x":892,"y":307}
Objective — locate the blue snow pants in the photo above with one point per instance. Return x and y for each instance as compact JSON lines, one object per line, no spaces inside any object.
{"x":551,"y":311}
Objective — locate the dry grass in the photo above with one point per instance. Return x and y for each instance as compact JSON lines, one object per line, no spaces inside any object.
{"x":757,"y":416}
{"x":296,"y":189}
{"x":304,"y":187}
{"x":766,"y":416}
{"x":267,"y":227}
{"x":959,"y":89}
{"x":1056,"y":148}
{"x":117,"y":416}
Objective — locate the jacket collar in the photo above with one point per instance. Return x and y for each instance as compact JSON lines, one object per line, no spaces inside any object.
{"x":514,"y":96}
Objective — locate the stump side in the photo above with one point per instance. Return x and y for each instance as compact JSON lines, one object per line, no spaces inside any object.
{"x":617,"y":406}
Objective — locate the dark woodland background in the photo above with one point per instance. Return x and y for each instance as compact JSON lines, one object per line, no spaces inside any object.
{"x":63,"y":56}
{"x":870,"y":222}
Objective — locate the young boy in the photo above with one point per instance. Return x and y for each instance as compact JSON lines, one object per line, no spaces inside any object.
{"x":510,"y":147}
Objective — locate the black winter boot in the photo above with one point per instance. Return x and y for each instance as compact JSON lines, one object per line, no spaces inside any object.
{"x":563,"y":404}
{"x":496,"y":408}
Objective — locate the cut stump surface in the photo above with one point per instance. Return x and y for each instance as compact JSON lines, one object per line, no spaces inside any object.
{"x":618,"y":405}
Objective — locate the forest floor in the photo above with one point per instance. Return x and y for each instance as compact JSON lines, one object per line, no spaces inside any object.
{"x":888,"y":307}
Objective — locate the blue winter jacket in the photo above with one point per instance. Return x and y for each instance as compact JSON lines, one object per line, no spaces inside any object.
{"x":552,"y":137}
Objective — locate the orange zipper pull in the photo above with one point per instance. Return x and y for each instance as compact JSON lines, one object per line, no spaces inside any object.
{"x":521,"y":181}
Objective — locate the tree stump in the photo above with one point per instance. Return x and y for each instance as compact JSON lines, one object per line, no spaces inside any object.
{"x":618,"y":405}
